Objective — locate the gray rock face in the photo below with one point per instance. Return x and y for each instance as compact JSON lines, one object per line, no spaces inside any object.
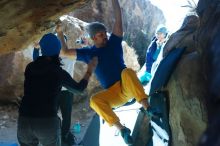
{"x":187,"y":92}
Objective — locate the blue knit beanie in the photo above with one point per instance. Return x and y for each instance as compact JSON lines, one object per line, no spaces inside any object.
{"x":162,"y":29}
{"x":50,"y":45}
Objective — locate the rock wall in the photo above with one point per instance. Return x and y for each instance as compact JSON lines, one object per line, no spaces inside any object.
{"x":187,"y":92}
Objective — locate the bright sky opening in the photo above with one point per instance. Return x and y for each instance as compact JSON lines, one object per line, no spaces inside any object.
{"x":173,"y":11}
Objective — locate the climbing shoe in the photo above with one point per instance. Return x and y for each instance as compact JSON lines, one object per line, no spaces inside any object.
{"x":153,"y":112}
{"x":125,"y":133}
{"x":69,"y":139}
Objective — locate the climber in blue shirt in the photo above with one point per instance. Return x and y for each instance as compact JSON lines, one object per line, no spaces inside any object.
{"x":119,"y":82}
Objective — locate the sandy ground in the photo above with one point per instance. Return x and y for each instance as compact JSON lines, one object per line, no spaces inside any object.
{"x":8,"y":120}
{"x":8,"y":123}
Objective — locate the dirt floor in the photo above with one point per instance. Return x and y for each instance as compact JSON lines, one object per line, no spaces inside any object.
{"x":8,"y":120}
{"x":8,"y":123}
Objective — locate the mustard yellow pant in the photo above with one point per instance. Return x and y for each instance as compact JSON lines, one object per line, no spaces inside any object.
{"x":118,"y":94}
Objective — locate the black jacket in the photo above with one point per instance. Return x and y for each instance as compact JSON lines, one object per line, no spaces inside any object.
{"x":43,"y":81}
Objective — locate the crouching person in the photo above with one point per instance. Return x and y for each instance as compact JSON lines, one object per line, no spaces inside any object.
{"x":38,"y":121}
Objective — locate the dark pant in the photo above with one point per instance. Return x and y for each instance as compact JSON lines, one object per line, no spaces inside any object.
{"x":31,"y":131}
{"x":65,"y":103}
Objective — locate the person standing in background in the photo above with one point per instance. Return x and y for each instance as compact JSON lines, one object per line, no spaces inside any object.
{"x":38,"y":121}
{"x":153,"y":51}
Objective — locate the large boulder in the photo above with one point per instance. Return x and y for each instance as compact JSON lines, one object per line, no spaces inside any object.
{"x":187,"y":92}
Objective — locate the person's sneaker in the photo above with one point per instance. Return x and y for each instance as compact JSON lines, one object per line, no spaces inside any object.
{"x":125,"y":133}
{"x":69,"y":139}
{"x":153,"y":112}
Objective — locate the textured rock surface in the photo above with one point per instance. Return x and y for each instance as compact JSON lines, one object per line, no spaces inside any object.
{"x":187,"y":93}
{"x":23,"y":21}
